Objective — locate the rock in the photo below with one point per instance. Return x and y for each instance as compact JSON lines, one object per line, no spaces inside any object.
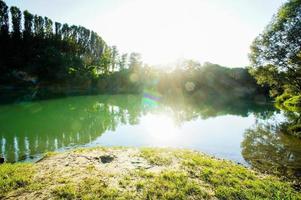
{"x":106,"y":158}
{"x":1,"y":160}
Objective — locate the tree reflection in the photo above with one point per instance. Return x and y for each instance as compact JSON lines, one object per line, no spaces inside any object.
{"x":33,"y":128}
{"x":28,"y":129}
{"x":269,"y":148}
{"x":293,"y":124}
{"x":186,"y":109}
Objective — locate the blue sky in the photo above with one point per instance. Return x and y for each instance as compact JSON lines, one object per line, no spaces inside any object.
{"x":218,"y":31}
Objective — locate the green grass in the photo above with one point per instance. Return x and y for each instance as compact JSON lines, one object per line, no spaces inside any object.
{"x":156,"y":156}
{"x":230,"y":181}
{"x":90,"y":188}
{"x":168,"y":185}
{"x":15,"y":176}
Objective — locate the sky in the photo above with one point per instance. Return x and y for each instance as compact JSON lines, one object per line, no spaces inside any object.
{"x":164,"y":31}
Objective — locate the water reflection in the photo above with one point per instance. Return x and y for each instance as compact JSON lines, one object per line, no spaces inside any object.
{"x":268,"y":146}
{"x":215,"y":127}
{"x":32,"y":128}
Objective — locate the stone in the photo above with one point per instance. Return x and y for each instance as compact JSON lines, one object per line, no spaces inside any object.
{"x":2,"y":160}
{"x":106,"y":158}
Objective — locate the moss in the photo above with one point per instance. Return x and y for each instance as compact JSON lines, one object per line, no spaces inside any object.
{"x":156,"y":156}
{"x":50,"y":154}
{"x":15,"y":176}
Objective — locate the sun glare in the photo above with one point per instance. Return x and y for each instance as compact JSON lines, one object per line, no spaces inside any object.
{"x":164,"y":31}
{"x":161,"y":128}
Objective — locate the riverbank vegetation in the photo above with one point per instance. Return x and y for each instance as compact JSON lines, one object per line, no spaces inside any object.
{"x":122,"y":173}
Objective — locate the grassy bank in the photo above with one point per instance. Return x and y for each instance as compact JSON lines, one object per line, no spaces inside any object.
{"x":125,"y":173}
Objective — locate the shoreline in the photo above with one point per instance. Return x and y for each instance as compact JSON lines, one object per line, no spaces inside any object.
{"x":137,"y":173}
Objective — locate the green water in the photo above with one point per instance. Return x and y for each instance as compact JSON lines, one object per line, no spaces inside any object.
{"x":226,"y":130}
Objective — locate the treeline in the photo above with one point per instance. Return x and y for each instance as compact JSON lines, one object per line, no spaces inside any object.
{"x":44,"y":52}
{"x":44,"y":59}
{"x":205,"y":82}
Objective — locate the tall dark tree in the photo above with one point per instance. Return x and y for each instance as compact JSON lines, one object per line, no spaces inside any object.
{"x":58,"y":29}
{"x":66,"y":31}
{"x":16,"y":21}
{"x":39,"y":26}
{"x":4,"y":18}
{"x":48,"y":27}
{"x":28,"y":24}
{"x":99,"y":46}
{"x":93,"y":44}
{"x":84,"y":38}
{"x":63,"y":55}
{"x":74,"y":33}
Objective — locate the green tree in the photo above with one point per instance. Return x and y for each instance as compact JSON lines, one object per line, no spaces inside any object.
{"x":276,"y":53}
{"x":105,"y":60}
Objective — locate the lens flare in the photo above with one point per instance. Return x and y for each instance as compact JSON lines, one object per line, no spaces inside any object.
{"x":150,"y":99}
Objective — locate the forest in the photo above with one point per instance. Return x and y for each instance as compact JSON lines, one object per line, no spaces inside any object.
{"x":45,"y":59}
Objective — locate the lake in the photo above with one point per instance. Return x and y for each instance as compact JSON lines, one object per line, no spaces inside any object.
{"x":244,"y":132}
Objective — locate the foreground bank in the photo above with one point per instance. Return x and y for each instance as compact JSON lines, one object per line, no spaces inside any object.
{"x":126,"y":173}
